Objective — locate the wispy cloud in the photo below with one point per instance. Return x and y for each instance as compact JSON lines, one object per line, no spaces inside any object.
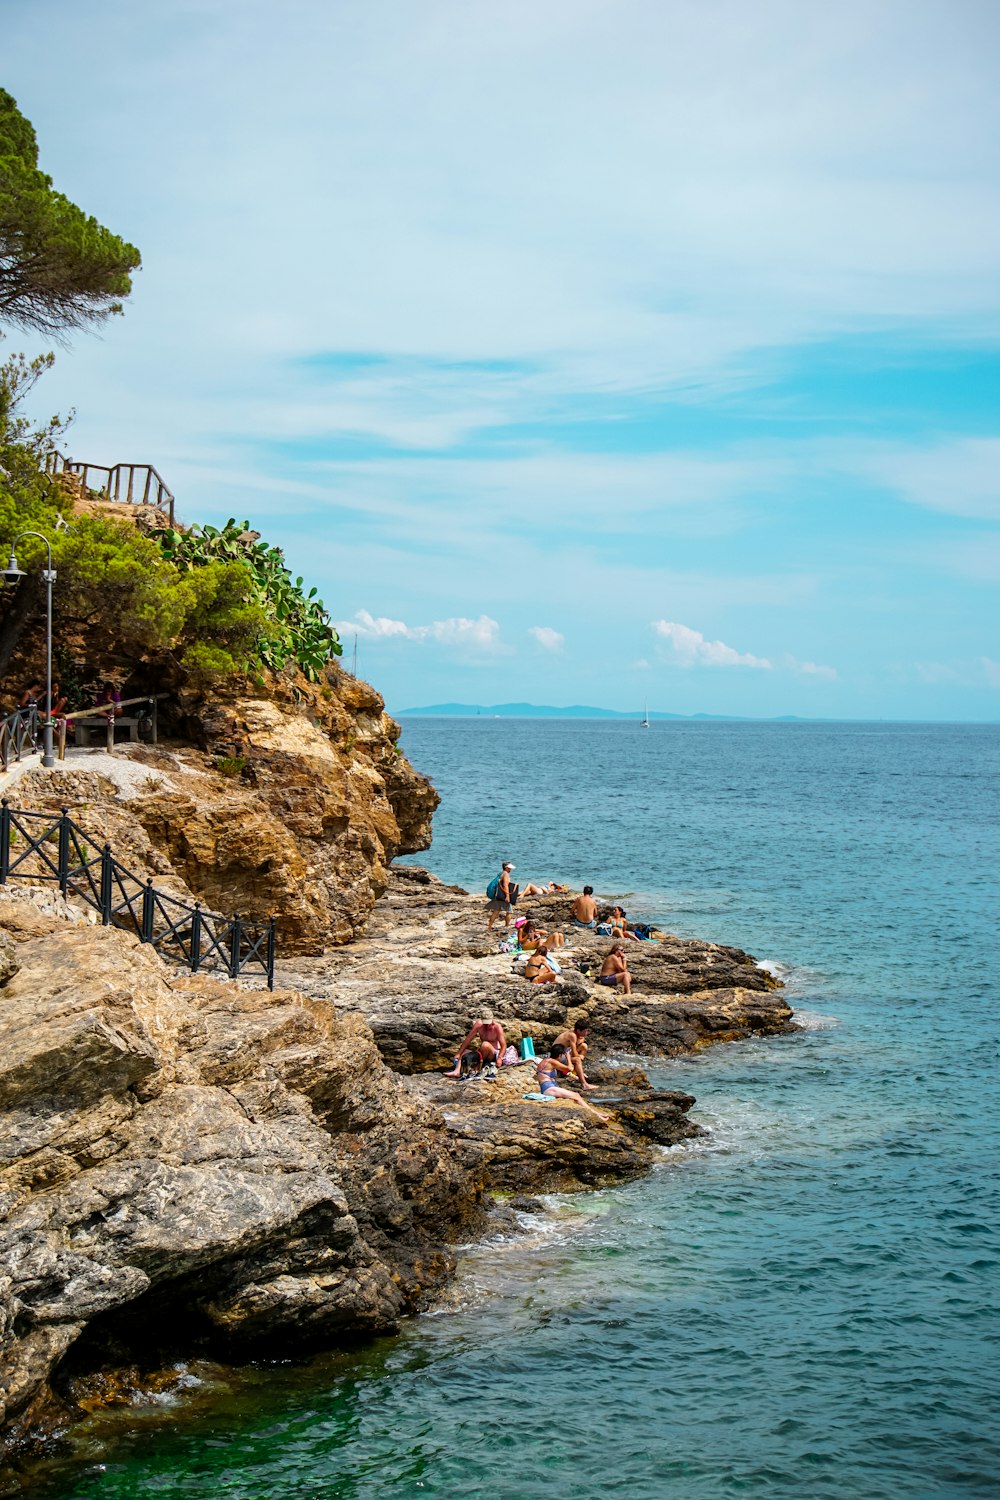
{"x":960,"y":477}
{"x":482,"y":634}
{"x":992,"y":670}
{"x":549,"y":639}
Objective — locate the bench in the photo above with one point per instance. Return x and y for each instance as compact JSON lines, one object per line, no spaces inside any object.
{"x":97,"y":730}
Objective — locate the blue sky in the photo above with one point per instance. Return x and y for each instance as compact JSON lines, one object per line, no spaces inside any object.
{"x":578,"y":351}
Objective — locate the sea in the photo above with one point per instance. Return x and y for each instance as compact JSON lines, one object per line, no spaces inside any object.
{"x":803,"y":1303}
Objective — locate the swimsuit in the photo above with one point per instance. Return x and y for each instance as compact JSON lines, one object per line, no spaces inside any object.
{"x":608,"y":979}
{"x":547,"y":1084}
{"x":577,"y":923}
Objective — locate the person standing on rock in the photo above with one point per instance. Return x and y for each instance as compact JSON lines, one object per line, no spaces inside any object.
{"x":490,"y":1040}
{"x":573,"y":1044}
{"x":614,"y":970}
{"x":503,"y":896}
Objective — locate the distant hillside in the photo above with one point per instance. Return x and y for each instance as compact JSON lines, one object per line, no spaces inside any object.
{"x":537,"y":711}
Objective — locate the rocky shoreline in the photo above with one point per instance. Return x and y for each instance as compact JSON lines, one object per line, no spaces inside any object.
{"x":192,"y":1168}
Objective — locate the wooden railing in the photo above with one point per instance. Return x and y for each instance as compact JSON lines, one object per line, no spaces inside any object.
{"x":132,"y":484}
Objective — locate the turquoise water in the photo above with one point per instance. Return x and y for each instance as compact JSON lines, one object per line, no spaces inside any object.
{"x":801,"y":1305}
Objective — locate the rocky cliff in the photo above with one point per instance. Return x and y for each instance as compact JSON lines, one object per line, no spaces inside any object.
{"x":191,"y":1167}
{"x":289,"y":803}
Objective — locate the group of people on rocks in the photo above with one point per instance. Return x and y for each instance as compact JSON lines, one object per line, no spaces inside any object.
{"x":542,"y":966}
{"x":485,"y":1049}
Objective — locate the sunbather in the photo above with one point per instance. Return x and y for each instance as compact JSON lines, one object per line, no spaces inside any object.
{"x":548,"y":1072}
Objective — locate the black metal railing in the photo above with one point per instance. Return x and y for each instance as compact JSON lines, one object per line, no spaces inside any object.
{"x":18,"y":733}
{"x":50,"y":847}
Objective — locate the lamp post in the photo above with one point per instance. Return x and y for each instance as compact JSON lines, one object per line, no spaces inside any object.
{"x":13,"y":574}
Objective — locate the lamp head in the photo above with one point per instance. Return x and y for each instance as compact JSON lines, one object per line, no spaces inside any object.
{"x":12,"y":573}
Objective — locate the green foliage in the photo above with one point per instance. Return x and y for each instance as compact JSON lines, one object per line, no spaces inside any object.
{"x":293,"y":625}
{"x":59,"y":268}
{"x":219,"y":602}
{"x":231,"y":765}
{"x":28,"y":499}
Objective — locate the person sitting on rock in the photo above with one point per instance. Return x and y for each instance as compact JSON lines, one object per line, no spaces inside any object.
{"x":548,"y":1072}
{"x":614,"y":970}
{"x":485,"y":1036}
{"x":540,"y":969}
{"x":573,"y":1044}
{"x":618,"y":922}
{"x":529,"y":937}
{"x":584,"y":911}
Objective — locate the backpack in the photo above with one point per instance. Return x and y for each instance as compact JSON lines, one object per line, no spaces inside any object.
{"x":472,"y":1063}
{"x":493,"y":889}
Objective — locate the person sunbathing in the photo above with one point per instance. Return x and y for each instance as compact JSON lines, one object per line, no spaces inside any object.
{"x":529,"y":937}
{"x":548,"y":1073}
{"x":614,"y":970}
{"x":573,"y":1044}
{"x":539,"y":969}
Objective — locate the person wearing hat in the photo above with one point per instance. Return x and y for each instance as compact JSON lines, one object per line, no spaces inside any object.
{"x":486,"y":1036}
{"x":506,"y":895}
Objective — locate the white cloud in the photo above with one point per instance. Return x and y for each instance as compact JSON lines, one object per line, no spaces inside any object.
{"x":371,"y":629}
{"x":548,"y":638}
{"x":482,"y":634}
{"x":813,"y":669}
{"x":691,"y":649}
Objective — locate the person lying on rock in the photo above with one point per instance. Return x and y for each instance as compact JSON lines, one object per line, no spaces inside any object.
{"x":540,"y":968}
{"x":614,"y":970}
{"x":573,"y":1043}
{"x":529,"y":937}
{"x":551,"y":889}
{"x":486,"y":1036}
{"x":548,"y":1072}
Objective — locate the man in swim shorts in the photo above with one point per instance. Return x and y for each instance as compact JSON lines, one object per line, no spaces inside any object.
{"x":614,"y":970}
{"x":573,"y":1043}
{"x":584,"y":912}
{"x":490,"y":1040}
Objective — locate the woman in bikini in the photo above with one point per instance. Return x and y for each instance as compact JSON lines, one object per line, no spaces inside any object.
{"x":529,"y":937}
{"x":538,"y":970}
{"x":548,"y":1072}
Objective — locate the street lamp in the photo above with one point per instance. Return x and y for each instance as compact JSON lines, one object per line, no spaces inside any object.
{"x":13,"y":574}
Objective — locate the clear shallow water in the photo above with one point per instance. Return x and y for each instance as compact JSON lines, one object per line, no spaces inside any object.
{"x":803,"y":1305}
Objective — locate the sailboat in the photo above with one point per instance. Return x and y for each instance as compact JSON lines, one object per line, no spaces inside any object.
{"x":644,"y":721}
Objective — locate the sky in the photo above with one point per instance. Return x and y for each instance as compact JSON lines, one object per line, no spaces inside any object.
{"x":579,"y":351}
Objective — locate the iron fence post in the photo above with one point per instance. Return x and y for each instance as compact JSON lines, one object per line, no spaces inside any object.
{"x":270,"y":954}
{"x":5,"y":832}
{"x":196,"y":937}
{"x":148,"y":911}
{"x":235,"y":944}
{"x":63,"y":859}
{"x":107,"y":887}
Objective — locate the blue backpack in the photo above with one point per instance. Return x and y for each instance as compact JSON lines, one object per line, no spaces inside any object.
{"x":493,"y":889}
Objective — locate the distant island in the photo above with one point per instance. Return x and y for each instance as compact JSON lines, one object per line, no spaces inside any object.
{"x":546,"y":711}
